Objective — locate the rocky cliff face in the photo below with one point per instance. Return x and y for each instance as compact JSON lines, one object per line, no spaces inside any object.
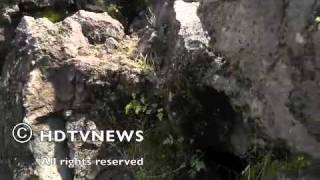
{"x":262,"y":55}
{"x":234,"y":84}
{"x":270,"y":51}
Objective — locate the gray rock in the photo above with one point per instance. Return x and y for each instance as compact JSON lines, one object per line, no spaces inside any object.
{"x":267,"y":67}
{"x":52,"y":77}
{"x":263,"y":64}
{"x":98,"y":28}
{"x":191,"y":30}
{"x":265,"y":60}
{"x":261,"y":54}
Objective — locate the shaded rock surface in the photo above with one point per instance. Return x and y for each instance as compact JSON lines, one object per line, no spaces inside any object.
{"x":271,"y":67}
{"x":8,"y":21}
{"x":33,"y":4}
{"x":261,"y":54}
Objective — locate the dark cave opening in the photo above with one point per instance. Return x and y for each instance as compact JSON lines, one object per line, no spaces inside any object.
{"x":209,"y":126}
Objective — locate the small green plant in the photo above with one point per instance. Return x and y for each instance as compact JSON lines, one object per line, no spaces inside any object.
{"x":270,"y":164}
{"x":163,"y":147}
{"x":141,"y":108}
{"x":197,"y":165}
{"x":145,"y":63}
{"x":136,"y":106}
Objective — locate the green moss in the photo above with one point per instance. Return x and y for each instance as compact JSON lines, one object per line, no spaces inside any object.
{"x":114,"y":10}
{"x":52,"y":14}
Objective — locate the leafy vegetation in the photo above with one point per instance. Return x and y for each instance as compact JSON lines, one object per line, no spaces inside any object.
{"x":165,"y":150}
{"x":159,"y":147}
{"x":197,"y":165}
{"x":270,"y":161}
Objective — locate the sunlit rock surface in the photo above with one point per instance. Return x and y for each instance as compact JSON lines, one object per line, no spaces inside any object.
{"x":75,"y":66}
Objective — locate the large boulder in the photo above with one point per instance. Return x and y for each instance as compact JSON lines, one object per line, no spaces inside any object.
{"x":62,"y":76}
{"x":270,"y":49}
